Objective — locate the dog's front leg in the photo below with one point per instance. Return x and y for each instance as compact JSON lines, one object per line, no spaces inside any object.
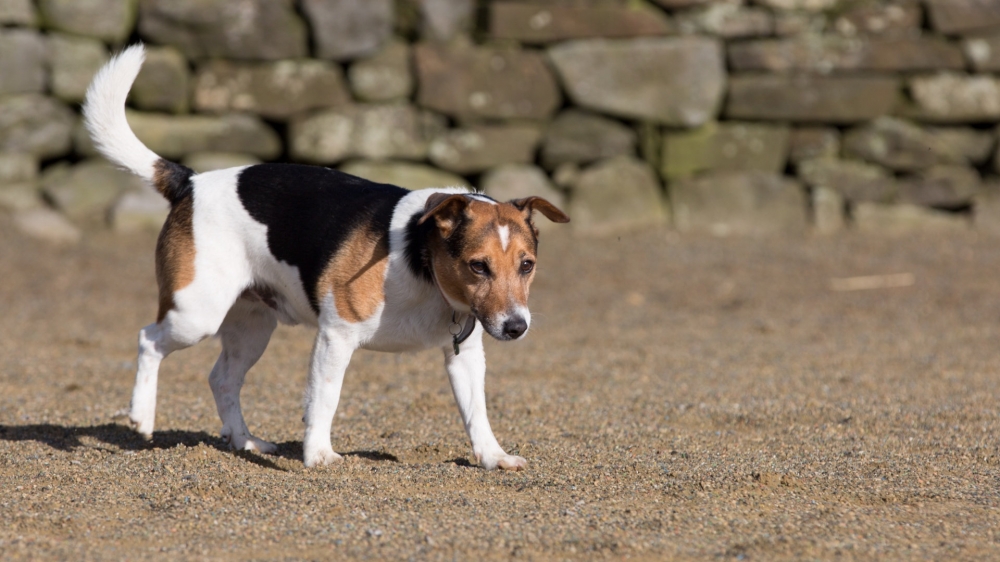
{"x":467,"y":372}
{"x":331,"y":354}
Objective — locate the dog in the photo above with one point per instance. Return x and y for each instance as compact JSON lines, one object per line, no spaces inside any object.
{"x":370,"y":265}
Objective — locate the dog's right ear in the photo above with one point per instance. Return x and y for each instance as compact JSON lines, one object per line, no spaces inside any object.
{"x":446,"y":209}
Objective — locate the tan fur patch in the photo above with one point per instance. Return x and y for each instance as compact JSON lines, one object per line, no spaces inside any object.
{"x":356,"y":275}
{"x":175,"y":254}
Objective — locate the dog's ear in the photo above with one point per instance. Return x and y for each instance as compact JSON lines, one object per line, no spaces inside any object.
{"x":446,"y":209}
{"x":530,"y":204}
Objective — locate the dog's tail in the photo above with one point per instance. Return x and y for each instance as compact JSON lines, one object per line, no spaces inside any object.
{"x":104,"y":115}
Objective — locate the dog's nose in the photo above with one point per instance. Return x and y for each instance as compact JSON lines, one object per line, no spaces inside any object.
{"x":514,"y":327}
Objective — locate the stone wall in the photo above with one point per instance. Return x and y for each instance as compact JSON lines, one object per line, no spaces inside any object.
{"x":721,"y":116}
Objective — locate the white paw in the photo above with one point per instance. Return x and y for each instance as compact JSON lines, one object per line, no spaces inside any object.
{"x":243,"y":441}
{"x":321,"y":457}
{"x":502,"y":461}
{"x":142,"y":424}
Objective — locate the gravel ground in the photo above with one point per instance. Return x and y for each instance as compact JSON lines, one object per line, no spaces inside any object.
{"x":677,"y":398}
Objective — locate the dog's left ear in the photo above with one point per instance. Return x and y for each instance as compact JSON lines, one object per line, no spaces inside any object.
{"x":530,"y":204}
{"x":446,"y":209}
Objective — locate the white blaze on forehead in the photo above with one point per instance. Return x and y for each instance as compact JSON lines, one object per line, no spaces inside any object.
{"x":504,"y":236}
{"x":483,"y":198}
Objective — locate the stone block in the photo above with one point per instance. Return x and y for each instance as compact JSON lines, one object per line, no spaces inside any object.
{"x":788,"y":24}
{"x":840,"y":99}
{"x":828,"y":207}
{"x":530,"y":22}
{"x":904,"y":219}
{"x":345,"y":29}
{"x":974,"y":146}
{"x":17,"y":197}
{"x":35,"y":124}
{"x":947,"y":187}
{"x":836,"y":53}
{"x":677,"y":81}
{"x":403,"y":174}
{"x":476,"y":148}
{"x":727,"y":20}
{"x":900,"y":18}
{"x":955,"y":98}
{"x":581,"y":137}
{"x":136,"y":211}
{"x":739,"y":203}
{"x":18,"y":12}
{"x":208,"y":161}
{"x":728,"y":146}
{"x":110,"y":21}
{"x":385,"y":76}
{"x":174,"y":137}
{"x":983,"y":53}
{"x":963,"y":16}
{"x":17,"y":167}
{"x":23,"y":58}
{"x":856,"y":181}
{"x":516,"y":181}
{"x":45,"y":224}
{"x":806,"y":143}
{"x":443,"y":20}
{"x":266,"y":29}
{"x":163,"y":83}
{"x":470,"y":82}
{"x":74,"y":62}
{"x":376,"y":131}
{"x":274,"y":90}
{"x":86,"y":190}
{"x":614,"y":195}
{"x":799,"y":5}
{"x":899,"y":145}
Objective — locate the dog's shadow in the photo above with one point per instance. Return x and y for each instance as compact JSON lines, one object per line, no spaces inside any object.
{"x":68,"y":438}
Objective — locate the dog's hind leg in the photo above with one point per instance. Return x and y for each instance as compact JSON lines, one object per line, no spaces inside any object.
{"x":244,"y":333}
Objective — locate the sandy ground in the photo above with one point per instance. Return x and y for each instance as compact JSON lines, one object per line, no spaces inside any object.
{"x":677,"y":398}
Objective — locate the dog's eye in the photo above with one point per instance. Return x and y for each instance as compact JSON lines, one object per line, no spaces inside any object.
{"x":527,"y":266}
{"x":478,"y":267}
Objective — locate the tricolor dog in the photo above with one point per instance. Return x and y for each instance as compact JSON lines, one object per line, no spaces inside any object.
{"x":371,"y":265}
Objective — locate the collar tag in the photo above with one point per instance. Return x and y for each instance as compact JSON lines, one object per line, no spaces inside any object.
{"x":466,"y":330}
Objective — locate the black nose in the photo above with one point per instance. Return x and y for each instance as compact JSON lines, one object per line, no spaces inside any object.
{"x":514,"y":327}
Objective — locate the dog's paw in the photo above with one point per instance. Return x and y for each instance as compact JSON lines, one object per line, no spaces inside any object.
{"x":321,"y":458}
{"x":242,"y":441}
{"x":143,"y":425}
{"x":502,"y":461}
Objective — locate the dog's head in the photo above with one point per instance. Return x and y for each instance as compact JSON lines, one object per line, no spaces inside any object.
{"x":483,"y":256}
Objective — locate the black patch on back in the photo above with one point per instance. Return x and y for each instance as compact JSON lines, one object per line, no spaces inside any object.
{"x":310,"y":211}
{"x":172,"y":180}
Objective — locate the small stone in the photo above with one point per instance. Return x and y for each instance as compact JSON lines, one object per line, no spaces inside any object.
{"x":615,"y":195}
{"x":23,"y":58}
{"x":476,"y":148}
{"x":582,"y":137}
{"x":806,"y":143}
{"x":856,"y":181}
{"x":208,"y":161}
{"x":403,"y":174}
{"x":139,"y":210}
{"x":739,"y":203}
{"x":905,"y":218}
{"x":728,"y":146}
{"x":163,"y":83}
{"x":516,"y":181}
{"x":110,"y":21}
{"x":48,"y":225}
{"x":828,"y":210}
{"x":345,"y":29}
{"x":74,"y":62}
{"x":385,"y":76}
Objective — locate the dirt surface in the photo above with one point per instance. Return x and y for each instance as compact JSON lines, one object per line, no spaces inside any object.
{"x":677,"y":397}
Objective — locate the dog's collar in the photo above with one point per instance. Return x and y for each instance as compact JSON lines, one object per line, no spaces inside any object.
{"x":458,"y":337}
